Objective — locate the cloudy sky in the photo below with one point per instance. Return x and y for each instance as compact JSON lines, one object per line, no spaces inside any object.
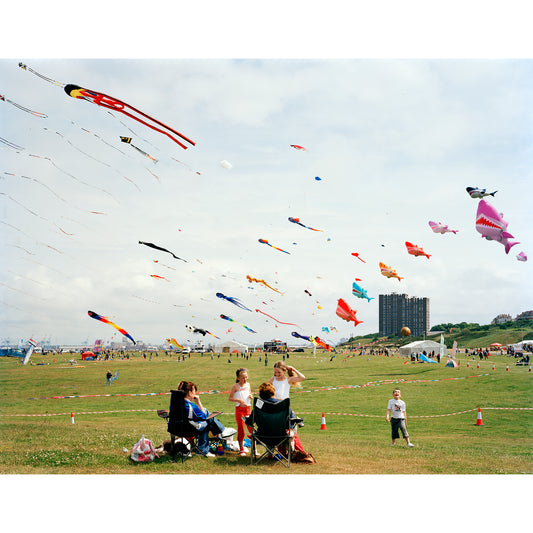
{"x":395,"y":142}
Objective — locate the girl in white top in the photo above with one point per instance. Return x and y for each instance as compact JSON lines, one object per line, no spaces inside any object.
{"x":284,"y":376}
{"x":241,"y":394}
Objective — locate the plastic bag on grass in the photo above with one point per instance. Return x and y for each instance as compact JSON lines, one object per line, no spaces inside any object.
{"x":143,"y":451}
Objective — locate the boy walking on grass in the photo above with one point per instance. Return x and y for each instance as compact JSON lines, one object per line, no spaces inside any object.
{"x":397,"y":416}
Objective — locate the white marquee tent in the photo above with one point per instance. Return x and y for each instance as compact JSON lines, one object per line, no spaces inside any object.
{"x":231,"y":346}
{"x":419,"y":347}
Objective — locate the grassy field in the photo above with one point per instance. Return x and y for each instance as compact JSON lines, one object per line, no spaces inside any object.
{"x":442,"y":407}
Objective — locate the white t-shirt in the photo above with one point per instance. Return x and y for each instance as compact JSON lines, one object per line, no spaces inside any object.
{"x":282,"y":388}
{"x":396,"y":407}
{"x":243,"y":394}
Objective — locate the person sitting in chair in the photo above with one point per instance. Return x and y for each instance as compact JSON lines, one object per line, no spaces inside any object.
{"x":267,"y":393}
{"x":200,"y":418}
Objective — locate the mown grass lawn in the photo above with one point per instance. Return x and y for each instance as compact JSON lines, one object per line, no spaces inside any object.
{"x":353,"y":392}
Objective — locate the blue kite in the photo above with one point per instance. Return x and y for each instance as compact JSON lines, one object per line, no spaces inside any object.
{"x":360,"y":292}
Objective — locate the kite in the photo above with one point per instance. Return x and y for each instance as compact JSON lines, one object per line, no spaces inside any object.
{"x":278,"y":321}
{"x":233,"y":300}
{"x":162,"y":249}
{"x":356,"y":254}
{"x":103,"y":100}
{"x":250,"y":279}
{"x":108,"y":102}
{"x":441,"y":228}
{"x":359,"y":292}
{"x":194,"y":329}
{"x":226,"y":164}
{"x":128,"y":140}
{"x":317,"y":178}
{"x":388,"y":272}
{"x":474,"y":192}
{"x":298,"y":147}
{"x":159,"y":277}
{"x":297,"y":221}
{"x":491,"y":225}
{"x":174,"y":342}
{"x":415,"y":250}
{"x":264,"y":241}
{"x":345,"y":312}
{"x":231,"y":320}
{"x":319,"y":342}
{"x":306,"y":291}
{"x":521,"y":256}
{"x":35,"y":113}
{"x":105,"y":320}
{"x":298,"y":336}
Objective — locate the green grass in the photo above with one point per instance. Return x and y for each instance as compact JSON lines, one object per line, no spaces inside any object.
{"x":351,"y":444}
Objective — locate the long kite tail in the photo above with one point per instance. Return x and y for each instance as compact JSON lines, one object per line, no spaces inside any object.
{"x":35,"y":113}
{"x":279,"y":321}
{"x":45,"y":78}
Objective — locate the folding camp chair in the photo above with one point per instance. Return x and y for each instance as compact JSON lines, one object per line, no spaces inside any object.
{"x":272,"y":430}
{"x":180,"y":429}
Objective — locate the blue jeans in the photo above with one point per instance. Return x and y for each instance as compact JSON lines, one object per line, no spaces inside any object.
{"x":205,"y":427}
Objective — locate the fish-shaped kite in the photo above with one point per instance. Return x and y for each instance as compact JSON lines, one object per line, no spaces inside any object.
{"x":250,"y":279}
{"x":162,"y":249}
{"x":345,"y":312}
{"x":521,"y":256}
{"x":174,"y":342}
{"x":475,"y":192}
{"x":194,"y":329}
{"x":388,"y":272}
{"x":106,"y":320}
{"x":415,"y":250}
{"x":298,"y":147}
{"x":491,"y":225}
{"x":360,"y":292}
{"x":278,"y":321}
{"x":297,"y":221}
{"x":264,"y":241}
{"x":224,"y":317}
{"x":233,"y":300}
{"x":441,"y":228}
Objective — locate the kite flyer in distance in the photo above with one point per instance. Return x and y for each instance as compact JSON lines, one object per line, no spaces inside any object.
{"x":397,"y":417}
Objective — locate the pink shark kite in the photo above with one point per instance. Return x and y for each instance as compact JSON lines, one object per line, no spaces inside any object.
{"x":491,"y":225}
{"x":441,"y":228}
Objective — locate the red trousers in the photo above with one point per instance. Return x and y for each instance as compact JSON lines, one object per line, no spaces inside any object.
{"x":241,"y":411}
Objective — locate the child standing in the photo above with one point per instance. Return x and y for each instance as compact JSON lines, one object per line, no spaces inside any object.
{"x":241,"y":394}
{"x":397,"y":416}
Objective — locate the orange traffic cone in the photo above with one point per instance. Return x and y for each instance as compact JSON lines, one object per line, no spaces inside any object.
{"x":479,"y":421}
{"x":323,"y":424}
{"x":72,"y":418}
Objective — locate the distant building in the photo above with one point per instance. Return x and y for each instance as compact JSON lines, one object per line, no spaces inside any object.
{"x":502,"y":319}
{"x":526,"y":314}
{"x":398,"y":310}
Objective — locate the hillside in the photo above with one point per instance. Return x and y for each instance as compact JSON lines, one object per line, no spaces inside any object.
{"x":466,"y":335}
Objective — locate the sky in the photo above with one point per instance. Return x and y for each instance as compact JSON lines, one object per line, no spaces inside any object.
{"x":394,"y":140}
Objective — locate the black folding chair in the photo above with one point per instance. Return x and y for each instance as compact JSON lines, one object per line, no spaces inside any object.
{"x":272,"y":430}
{"x":183,"y":435}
